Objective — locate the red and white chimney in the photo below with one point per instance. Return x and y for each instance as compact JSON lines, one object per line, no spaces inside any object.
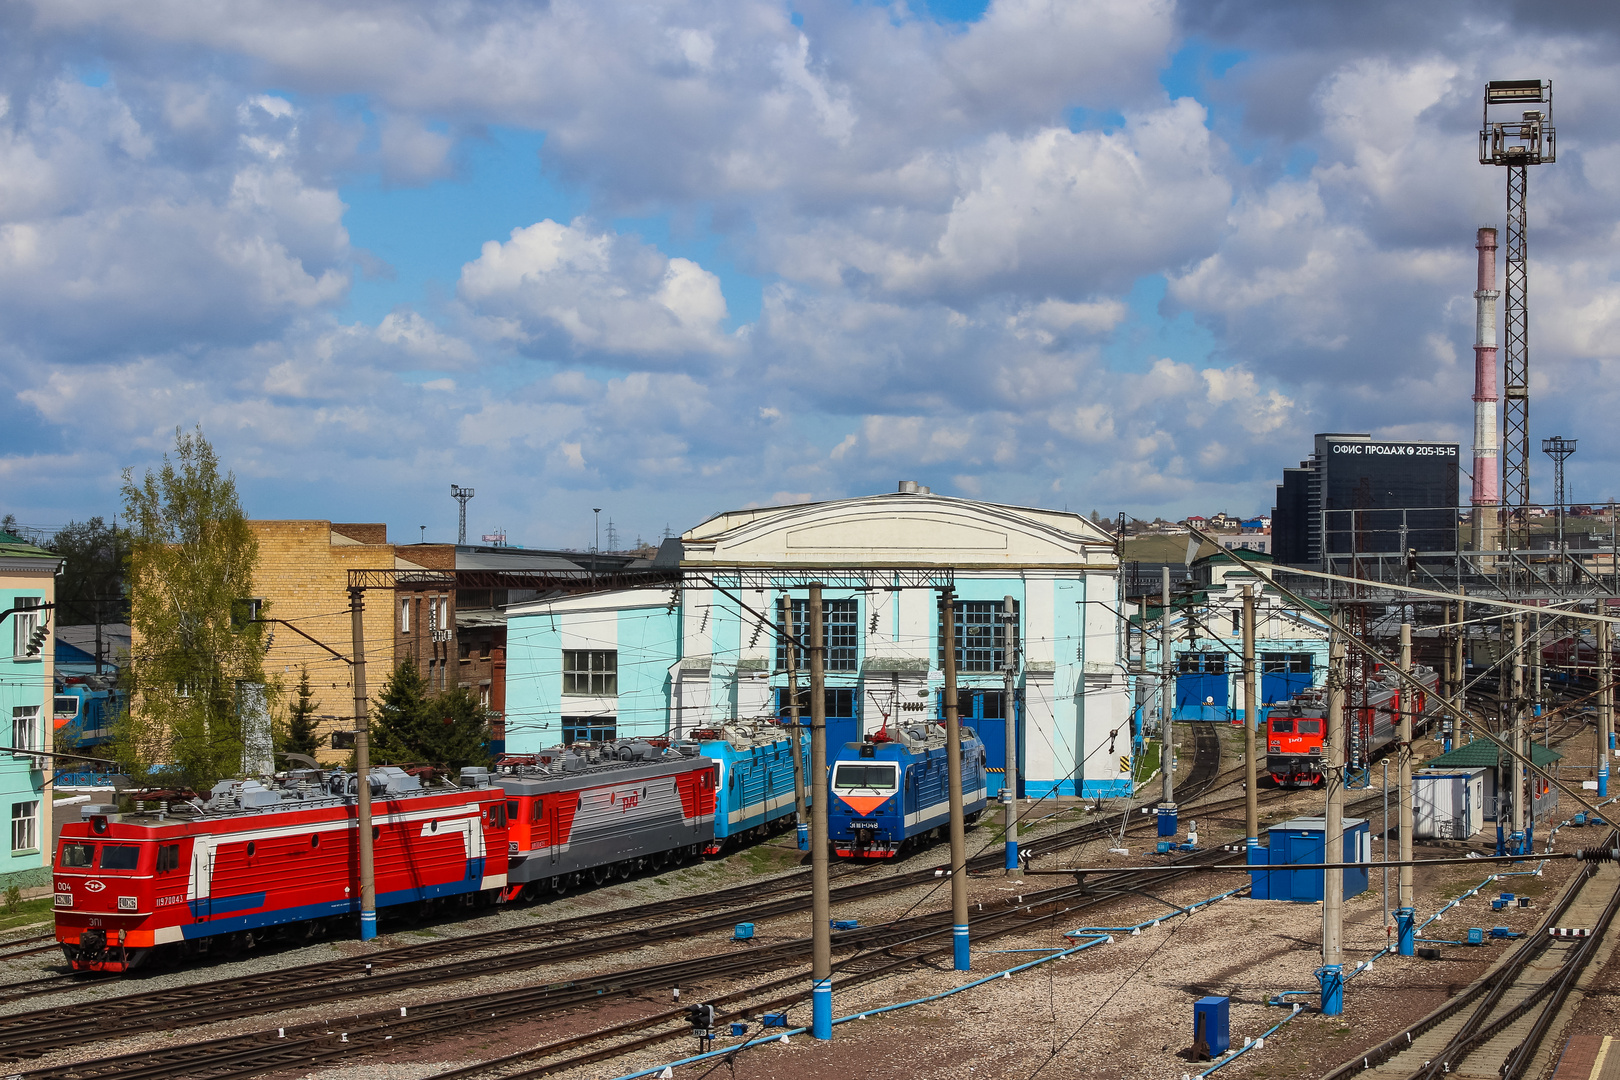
{"x":1486,"y":497}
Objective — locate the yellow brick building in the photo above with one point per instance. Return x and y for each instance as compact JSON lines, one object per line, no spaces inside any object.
{"x":303,"y":578}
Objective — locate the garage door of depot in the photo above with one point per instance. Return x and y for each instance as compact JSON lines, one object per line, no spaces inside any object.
{"x":1201,"y":686}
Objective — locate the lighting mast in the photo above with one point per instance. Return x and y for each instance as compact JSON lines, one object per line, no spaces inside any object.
{"x":1517,"y":144}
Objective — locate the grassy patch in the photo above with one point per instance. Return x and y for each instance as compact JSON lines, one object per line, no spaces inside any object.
{"x":26,"y":912}
{"x":1148,"y":763}
{"x":1453,"y":889}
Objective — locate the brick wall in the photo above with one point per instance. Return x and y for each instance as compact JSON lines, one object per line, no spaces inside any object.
{"x":303,"y":574}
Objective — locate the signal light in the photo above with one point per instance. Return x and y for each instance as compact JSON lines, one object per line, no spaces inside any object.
{"x":701,"y":1017}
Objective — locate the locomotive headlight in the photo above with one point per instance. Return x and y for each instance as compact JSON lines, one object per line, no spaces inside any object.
{"x":64,"y":899}
{"x":126,"y":903}
{"x":1276,"y":748}
{"x":1316,"y":751}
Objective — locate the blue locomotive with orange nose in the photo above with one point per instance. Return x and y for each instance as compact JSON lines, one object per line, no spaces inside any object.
{"x":891,"y":791}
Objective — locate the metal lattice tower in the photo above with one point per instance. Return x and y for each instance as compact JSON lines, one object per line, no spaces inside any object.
{"x":461,"y":495}
{"x":1559,"y":449}
{"x":1517,"y":144}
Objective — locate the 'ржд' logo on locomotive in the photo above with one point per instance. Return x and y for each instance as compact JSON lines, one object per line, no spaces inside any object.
{"x":94,"y":886}
{"x":629,"y":802}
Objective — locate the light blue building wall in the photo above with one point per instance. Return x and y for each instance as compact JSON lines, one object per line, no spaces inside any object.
{"x":636,"y":627}
{"x":27,"y":576}
{"x":1291,"y":649}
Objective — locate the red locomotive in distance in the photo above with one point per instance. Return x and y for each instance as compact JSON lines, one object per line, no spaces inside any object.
{"x":1295,"y":730}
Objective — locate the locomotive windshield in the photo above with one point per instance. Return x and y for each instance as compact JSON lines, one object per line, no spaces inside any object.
{"x":120,"y":856}
{"x":1310,"y":727}
{"x":1282,"y":727}
{"x":78,"y":855}
{"x":884,"y":777}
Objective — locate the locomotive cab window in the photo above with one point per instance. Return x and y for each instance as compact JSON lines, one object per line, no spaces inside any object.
{"x":497,"y":816}
{"x":1282,"y":727}
{"x":78,"y":856}
{"x":168,"y":858}
{"x":1310,"y":727}
{"x":876,"y":777}
{"x":120,"y":856}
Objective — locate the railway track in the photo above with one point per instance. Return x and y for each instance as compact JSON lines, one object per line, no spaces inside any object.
{"x":38,"y":943}
{"x":1495,"y":1028}
{"x":878,"y":951}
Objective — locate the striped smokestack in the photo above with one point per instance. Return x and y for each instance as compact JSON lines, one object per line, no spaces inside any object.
{"x":1485,"y":491}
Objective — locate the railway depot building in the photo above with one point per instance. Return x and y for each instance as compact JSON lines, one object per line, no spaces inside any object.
{"x":1206,"y":644}
{"x":668,"y":660}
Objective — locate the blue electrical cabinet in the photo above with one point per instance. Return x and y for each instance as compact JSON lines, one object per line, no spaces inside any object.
{"x":1211,"y":1022}
{"x":1301,"y":840}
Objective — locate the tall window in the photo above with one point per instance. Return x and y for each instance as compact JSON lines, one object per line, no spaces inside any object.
{"x":589,"y":729}
{"x":24,"y":623}
{"x":405,"y":615}
{"x":591,"y":672}
{"x":840,"y":633}
{"x":24,"y":826}
{"x":981,"y":635}
{"x":841,"y":703}
{"x":25,"y":727}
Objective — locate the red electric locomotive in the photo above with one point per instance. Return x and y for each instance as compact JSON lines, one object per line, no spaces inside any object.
{"x":256,"y":861}
{"x":1295,"y":730}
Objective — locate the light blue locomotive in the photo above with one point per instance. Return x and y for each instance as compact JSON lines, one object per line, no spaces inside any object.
{"x":892,"y":791}
{"x":755,"y":784}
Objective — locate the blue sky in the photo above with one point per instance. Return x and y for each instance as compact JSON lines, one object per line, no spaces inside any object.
{"x":1114,"y":254}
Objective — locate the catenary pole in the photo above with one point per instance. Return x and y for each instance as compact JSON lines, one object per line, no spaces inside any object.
{"x":362,"y":768}
{"x":1605,"y":733}
{"x":797,"y":738}
{"x":1332,"y":974}
{"x":1515,"y":770}
{"x":1251,"y":721}
{"x":821,"y":903}
{"x":1167,"y":742}
{"x":1405,"y":914}
{"x":953,"y":772}
{"x":1009,"y":710}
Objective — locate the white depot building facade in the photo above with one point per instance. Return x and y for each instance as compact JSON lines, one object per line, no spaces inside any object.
{"x":668,"y":660}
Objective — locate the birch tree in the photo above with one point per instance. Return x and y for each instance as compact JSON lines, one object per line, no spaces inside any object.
{"x":191,"y":564}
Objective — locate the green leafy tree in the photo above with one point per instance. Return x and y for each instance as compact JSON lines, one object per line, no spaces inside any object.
{"x":192,"y":558}
{"x":301,"y":721}
{"x":91,"y":586}
{"x":410,"y":725}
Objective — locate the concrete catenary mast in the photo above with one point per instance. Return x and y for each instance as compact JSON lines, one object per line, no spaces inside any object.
{"x":1486,"y":498}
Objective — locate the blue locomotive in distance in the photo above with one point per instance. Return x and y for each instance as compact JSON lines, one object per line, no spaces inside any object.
{"x":755,"y":785}
{"x":892,"y":791}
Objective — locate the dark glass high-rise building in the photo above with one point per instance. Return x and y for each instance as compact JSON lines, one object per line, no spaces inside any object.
{"x":1360,"y":495}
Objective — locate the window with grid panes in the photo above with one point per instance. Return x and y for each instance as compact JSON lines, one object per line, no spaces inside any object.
{"x":840,"y":633}
{"x":593,"y":672}
{"x":24,"y":826}
{"x":981,"y":635}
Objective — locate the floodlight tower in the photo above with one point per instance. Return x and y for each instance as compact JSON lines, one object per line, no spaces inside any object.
{"x":1559,"y":449}
{"x":1517,"y":144}
{"x":461,"y":495}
